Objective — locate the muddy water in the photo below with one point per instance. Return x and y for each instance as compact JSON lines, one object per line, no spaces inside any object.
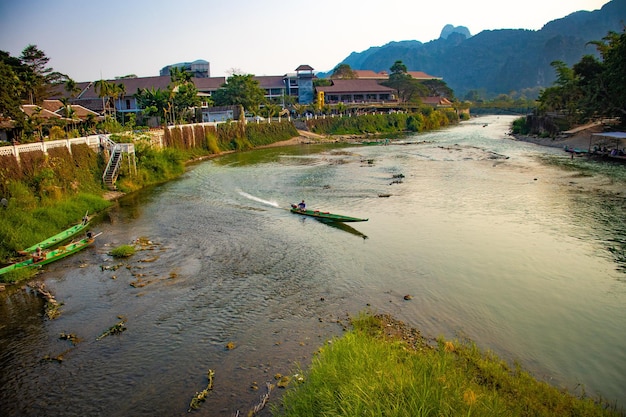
{"x":490,"y":245}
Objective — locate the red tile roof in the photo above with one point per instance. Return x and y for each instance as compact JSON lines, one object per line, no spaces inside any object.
{"x":436,"y":101}
{"x":355,"y":86}
{"x":420,"y":75}
{"x":383,"y":75}
{"x":31,"y":109}
{"x":369,"y":74}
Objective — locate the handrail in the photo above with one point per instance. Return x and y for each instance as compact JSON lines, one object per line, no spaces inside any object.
{"x":118,"y":148}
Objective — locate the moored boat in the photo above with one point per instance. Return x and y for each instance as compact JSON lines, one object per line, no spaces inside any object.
{"x":325,"y":216}
{"x":50,"y":256}
{"x":59,"y":237}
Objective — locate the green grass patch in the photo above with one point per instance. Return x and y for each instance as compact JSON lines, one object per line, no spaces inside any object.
{"x":383,"y":368}
{"x":29,"y":219}
{"x":123,"y":251}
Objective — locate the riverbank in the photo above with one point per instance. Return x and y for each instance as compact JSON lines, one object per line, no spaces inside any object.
{"x":579,"y":141}
{"x":413,"y":374}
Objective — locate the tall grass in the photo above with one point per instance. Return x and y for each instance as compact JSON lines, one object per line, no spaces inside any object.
{"x":28,"y":220}
{"x":371,"y":372}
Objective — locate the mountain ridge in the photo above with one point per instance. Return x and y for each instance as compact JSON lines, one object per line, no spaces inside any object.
{"x":499,"y":61}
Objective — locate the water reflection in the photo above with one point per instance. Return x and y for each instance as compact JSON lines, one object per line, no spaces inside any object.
{"x":344,"y":227}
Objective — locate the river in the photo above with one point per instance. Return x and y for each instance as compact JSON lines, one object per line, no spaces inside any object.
{"x":489,"y":243}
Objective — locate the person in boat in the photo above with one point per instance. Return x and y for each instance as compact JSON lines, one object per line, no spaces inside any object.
{"x":38,"y":254}
{"x":301,"y":206}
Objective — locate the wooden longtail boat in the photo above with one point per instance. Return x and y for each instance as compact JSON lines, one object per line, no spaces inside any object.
{"x":58,"y":238}
{"x":325,"y":216}
{"x":50,"y":256}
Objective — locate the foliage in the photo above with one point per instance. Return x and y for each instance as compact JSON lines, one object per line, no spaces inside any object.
{"x":591,"y":88}
{"x":184,"y":96}
{"x":10,"y":91}
{"x":153,"y":167}
{"x":381,"y":368}
{"x":520,"y":127}
{"x":122,"y":251}
{"x":409,"y":90}
{"x":343,"y":72}
{"x":35,"y":77}
{"x":259,"y":134}
{"x":153,"y":102}
{"x":427,"y":119}
{"x":241,"y":90}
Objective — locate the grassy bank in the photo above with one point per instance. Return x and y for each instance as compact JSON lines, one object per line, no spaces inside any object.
{"x":425,"y":120}
{"x":48,"y":192}
{"x":384,"y":368}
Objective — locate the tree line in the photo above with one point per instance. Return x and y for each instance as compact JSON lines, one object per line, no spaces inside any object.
{"x":594,"y":88}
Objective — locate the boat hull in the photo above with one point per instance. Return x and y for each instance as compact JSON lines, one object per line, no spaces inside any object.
{"x":58,"y":238}
{"x":49,"y":257}
{"x":326,"y":216}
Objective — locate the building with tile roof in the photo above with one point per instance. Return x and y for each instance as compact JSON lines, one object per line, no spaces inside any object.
{"x":356,"y":91}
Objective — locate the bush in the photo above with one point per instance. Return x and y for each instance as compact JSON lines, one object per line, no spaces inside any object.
{"x":123,"y":251}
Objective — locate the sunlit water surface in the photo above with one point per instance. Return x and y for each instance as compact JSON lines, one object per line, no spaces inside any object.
{"x":490,"y":244}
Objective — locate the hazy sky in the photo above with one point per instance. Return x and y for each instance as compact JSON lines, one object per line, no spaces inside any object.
{"x":88,"y":39}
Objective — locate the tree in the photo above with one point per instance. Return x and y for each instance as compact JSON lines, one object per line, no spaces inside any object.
{"x":612,"y":79}
{"x":437,"y":88}
{"x":35,"y":76}
{"x":593,"y":87}
{"x":183,"y":95}
{"x":564,"y":95}
{"x":153,"y":102}
{"x":105,"y":90}
{"x":71,"y":87}
{"x":343,"y":72}
{"x":10,"y":91}
{"x":184,"y":100}
{"x":398,"y":69}
{"x":407,"y":88}
{"x":240,"y":90}
{"x":117,"y":91}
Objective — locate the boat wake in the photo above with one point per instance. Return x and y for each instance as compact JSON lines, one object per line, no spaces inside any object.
{"x":260,"y":200}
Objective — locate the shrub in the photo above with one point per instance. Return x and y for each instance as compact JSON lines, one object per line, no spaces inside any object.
{"x":123,"y":251}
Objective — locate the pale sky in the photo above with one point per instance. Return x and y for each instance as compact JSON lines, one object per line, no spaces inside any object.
{"x":89,"y":40}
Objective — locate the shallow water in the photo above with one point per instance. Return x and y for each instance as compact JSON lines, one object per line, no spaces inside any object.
{"x":490,"y":244}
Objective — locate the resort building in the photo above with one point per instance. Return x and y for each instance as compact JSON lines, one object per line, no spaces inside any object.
{"x":198,"y":69}
{"x":356,"y":91}
{"x":295,"y":87}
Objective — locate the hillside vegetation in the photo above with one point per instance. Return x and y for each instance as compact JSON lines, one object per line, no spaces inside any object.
{"x":499,"y":61}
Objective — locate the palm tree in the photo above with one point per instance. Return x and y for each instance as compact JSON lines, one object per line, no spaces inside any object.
{"x":68,"y":113}
{"x":105,"y":89}
{"x":118,"y":91}
{"x":71,"y":87}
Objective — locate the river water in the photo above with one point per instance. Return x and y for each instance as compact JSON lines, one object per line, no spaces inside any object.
{"x":490,"y":244}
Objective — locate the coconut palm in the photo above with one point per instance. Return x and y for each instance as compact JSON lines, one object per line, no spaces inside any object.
{"x":105,"y":90}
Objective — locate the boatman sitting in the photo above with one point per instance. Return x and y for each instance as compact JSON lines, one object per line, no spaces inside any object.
{"x":302,"y":206}
{"x":38,"y":255}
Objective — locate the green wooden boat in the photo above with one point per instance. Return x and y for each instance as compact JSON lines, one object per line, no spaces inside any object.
{"x":325,"y":216}
{"x":50,"y":256}
{"x":58,"y":238}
